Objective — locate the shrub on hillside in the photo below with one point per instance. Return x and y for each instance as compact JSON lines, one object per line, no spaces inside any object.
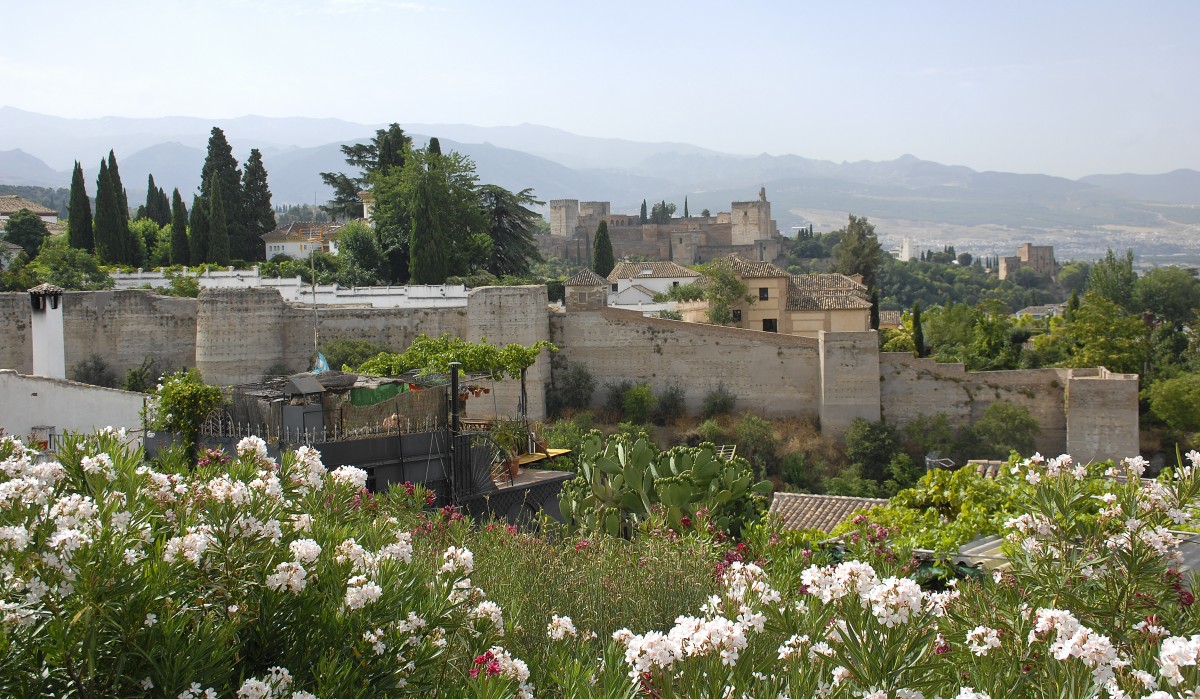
{"x":95,"y":371}
{"x":670,"y":405}
{"x":614,"y":397}
{"x":343,"y":352}
{"x":718,"y":401}
{"x":572,"y":390}
{"x":637,"y":404}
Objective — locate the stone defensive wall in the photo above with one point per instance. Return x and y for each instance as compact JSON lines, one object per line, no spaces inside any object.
{"x":237,"y":335}
{"x":770,"y":374}
{"x":1100,"y":422}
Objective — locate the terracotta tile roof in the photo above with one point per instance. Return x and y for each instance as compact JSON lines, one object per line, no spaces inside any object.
{"x":825,"y":292}
{"x":889,"y":318}
{"x":824,"y":512}
{"x":303,"y":231}
{"x":586,"y":278}
{"x":11,"y":204}
{"x":749,"y":270}
{"x":650,"y":270}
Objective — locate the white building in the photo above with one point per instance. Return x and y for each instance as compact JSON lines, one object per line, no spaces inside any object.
{"x":300,"y":239}
{"x":11,"y":204}
{"x":633,"y":283}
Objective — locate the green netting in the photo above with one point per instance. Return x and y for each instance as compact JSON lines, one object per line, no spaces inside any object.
{"x":365,"y":397}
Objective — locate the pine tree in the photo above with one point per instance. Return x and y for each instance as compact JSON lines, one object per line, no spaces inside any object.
{"x":198,"y":242}
{"x":79,"y":214}
{"x":221,"y":170}
{"x":218,"y":228}
{"x":918,"y":332}
{"x":180,"y":253}
{"x":428,"y":258}
{"x":258,"y":217}
{"x":602,"y":255}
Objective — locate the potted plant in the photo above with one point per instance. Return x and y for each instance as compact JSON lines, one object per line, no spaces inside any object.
{"x":511,"y":436}
{"x":539,"y":441}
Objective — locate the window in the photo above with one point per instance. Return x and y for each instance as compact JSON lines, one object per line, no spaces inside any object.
{"x":762,"y":293}
{"x":674,"y":283}
{"x":614,"y":288}
{"x":737,"y":315}
{"x":769,"y":325}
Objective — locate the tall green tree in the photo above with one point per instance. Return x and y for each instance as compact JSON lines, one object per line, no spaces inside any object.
{"x":602,"y":251}
{"x":685,"y":208}
{"x":220,"y":170}
{"x":113,"y":241}
{"x":385,"y":152}
{"x":723,"y":290}
{"x":198,"y":233}
{"x":218,"y":228}
{"x":1113,"y":279}
{"x":511,"y":225}
{"x":644,"y":216}
{"x":1172,"y":294}
{"x":26,"y":229}
{"x":114,"y":175}
{"x":157,"y":207}
{"x":435,"y":146}
{"x":859,"y":252}
{"x":360,"y":255}
{"x":429,"y":259}
{"x":79,"y":213}
{"x":257,"y":214}
{"x":918,"y":333}
{"x":181,"y":254}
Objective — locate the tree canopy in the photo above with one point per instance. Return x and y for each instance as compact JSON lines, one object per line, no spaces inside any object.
{"x":602,"y":251}
{"x":26,"y":229}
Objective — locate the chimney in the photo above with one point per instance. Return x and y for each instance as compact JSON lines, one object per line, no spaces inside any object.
{"x":49,"y":347}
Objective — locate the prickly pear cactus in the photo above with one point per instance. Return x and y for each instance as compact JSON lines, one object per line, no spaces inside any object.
{"x":621,"y":483}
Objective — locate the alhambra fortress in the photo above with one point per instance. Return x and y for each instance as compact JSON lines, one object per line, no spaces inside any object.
{"x":746,"y":230}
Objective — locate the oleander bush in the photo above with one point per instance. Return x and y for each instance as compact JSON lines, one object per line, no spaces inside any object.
{"x":236,"y":576}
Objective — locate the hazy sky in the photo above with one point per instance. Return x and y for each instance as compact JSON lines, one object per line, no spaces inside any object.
{"x":1065,"y":88}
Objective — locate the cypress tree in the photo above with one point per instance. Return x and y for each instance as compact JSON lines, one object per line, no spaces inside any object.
{"x":114,"y":177}
{"x":602,"y":255}
{"x":199,"y":231}
{"x":645,"y":217}
{"x":1072,"y":306}
{"x":918,"y":333}
{"x":428,"y":258}
{"x":221,"y":170}
{"x":79,"y":214}
{"x":685,"y":209}
{"x":180,"y":253}
{"x":107,"y":232}
{"x":218,"y":229}
{"x":258,"y":217}
{"x":435,"y":146}
{"x":147,"y":210}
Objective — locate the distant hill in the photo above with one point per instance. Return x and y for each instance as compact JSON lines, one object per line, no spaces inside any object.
{"x":20,"y":168}
{"x":38,"y":150}
{"x":1176,"y":187}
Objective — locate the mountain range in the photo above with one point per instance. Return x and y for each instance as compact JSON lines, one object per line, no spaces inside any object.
{"x":40,"y":150}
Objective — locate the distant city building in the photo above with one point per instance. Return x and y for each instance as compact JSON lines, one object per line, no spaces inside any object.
{"x":904,"y":252}
{"x":1039,"y":258}
{"x":747,"y":230}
